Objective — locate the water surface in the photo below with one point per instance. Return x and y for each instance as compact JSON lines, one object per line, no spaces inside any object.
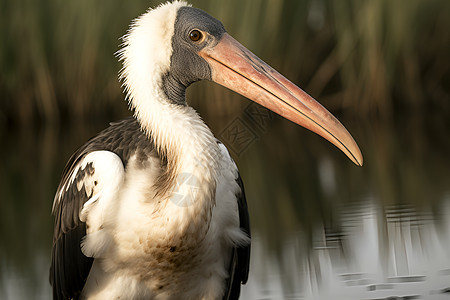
{"x":322,"y":227}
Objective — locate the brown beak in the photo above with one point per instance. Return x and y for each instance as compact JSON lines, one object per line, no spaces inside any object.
{"x":236,"y":68}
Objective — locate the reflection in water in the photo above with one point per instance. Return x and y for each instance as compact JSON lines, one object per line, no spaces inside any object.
{"x":375,"y":254}
{"x":323,"y":228}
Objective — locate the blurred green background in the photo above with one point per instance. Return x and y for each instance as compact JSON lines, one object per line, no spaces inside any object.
{"x":382,"y":67}
{"x":366,"y":58}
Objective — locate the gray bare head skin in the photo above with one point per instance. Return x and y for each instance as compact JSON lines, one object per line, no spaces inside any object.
{"x":186,"y":66}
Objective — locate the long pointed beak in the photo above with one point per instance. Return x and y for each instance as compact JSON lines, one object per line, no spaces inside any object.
{"x":236,"y":68}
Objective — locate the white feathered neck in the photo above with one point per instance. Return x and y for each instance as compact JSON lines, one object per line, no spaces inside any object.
{"x":177,"y":130}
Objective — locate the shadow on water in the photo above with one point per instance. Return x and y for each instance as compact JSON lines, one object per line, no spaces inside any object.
{"x":322,"y":226}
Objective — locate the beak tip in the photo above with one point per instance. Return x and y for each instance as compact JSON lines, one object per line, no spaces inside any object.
{"x":360,"y":163}
{"x":358,"y":158}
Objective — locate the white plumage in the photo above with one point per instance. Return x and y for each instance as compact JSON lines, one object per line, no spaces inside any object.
{"x":126,"y":232}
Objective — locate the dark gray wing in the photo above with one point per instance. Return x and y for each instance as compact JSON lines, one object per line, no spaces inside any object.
{"x":240,"y":260}
{"x":69,"y":266}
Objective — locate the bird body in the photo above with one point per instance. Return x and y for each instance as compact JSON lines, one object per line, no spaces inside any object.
{"x":153,"y":207}
{"x":157,"y":240}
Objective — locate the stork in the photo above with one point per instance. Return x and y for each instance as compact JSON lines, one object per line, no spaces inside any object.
{"x":153,"y":207}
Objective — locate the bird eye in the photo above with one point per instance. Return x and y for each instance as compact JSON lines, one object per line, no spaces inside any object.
{"x":195,"y":35}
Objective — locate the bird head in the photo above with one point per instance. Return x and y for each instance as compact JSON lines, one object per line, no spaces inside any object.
{"x":174,"y":45}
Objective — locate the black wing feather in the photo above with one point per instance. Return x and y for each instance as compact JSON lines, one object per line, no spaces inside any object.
{"x":69,"y":266}
{"x":240,"y":258}
{"x":244,"y":219}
